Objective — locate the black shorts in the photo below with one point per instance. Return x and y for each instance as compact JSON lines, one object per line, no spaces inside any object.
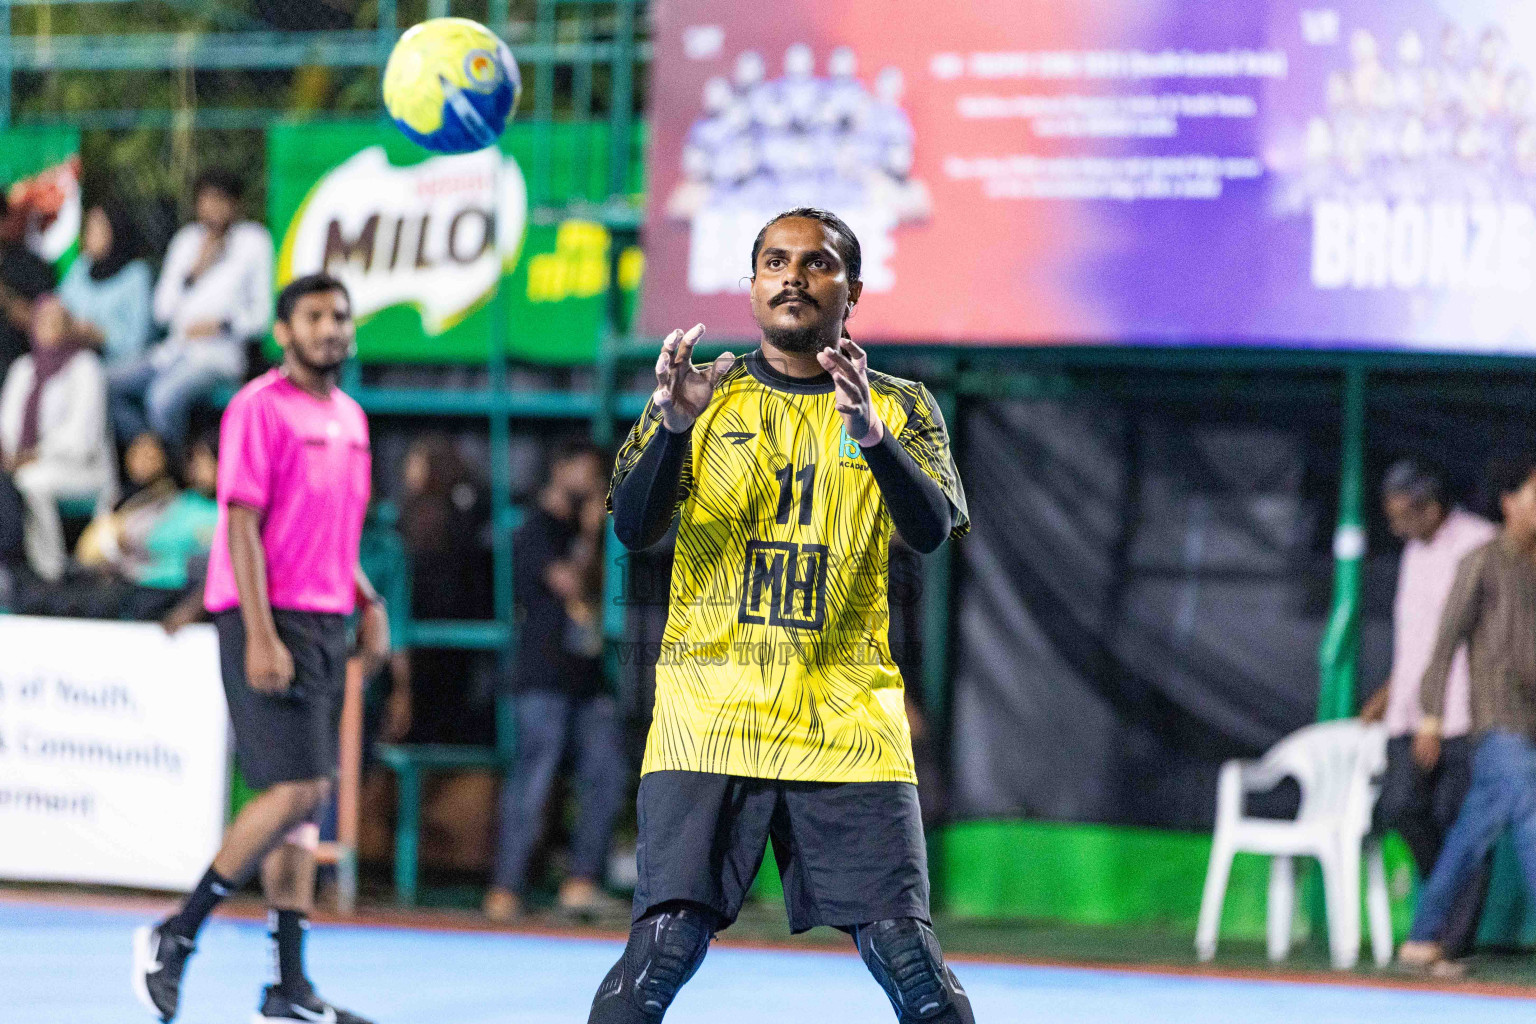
{"x":849,"y":853}
{"x":291,"y":736}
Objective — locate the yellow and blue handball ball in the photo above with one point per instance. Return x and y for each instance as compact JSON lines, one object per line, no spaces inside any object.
{"x":451,"y":85}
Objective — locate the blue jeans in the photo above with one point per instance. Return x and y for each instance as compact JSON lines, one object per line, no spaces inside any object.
{"x":546,"y":723}
{"x":146,"y":396}
{"x":1503,"y":795}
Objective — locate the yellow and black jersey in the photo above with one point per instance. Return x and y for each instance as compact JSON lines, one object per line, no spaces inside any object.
{"x":775,"y":662}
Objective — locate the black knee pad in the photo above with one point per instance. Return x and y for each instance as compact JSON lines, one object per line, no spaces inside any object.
{"x":903,"y":955}
{"x":664,"y":951}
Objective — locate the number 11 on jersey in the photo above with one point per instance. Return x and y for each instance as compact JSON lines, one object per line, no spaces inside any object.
{"x":806,"y":477}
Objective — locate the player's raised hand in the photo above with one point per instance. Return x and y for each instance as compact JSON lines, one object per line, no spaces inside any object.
{"x":682,"y":390}
{"x":849,"y":367}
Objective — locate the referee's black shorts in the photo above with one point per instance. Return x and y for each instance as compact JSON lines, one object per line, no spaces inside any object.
{"x":849,"y":853}
{"x":293,"y":736}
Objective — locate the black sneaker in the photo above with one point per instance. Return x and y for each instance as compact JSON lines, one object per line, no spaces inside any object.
{"x":280,"y":1008}
{"x":159,"y":957}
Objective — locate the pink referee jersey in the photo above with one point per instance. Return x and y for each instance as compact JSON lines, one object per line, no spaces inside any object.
{"x":304,"y":463}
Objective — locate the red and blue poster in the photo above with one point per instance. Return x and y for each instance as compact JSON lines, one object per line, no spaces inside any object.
{"x":1359,"y":174}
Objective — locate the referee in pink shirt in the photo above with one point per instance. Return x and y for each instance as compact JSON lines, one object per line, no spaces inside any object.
{"x":283,"y":576}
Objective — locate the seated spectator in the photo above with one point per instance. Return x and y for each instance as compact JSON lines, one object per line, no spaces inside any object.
{"x":214,"y":294}
{"x":140,"y":551}
{"x":53,"y":432}
{"x":107,"y":288}
{"x":24,"y":278}
{"x":562,"y":700}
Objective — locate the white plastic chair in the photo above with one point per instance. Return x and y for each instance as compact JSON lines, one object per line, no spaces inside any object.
{"x":1337,"y":765}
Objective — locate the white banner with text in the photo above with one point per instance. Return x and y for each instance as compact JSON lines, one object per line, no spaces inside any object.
{"x":113,"y":752}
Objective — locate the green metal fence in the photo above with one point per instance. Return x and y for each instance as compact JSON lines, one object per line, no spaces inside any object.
{"x":161,"y":88}
{"x":193,"y":70}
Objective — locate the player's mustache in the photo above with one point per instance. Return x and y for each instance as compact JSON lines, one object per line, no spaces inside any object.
{"x":788,"y":296}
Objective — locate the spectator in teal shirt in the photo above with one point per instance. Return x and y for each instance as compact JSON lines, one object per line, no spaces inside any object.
{"x":184,"y":530}
{"x":142,"y":549}
{"x":107,"y":289}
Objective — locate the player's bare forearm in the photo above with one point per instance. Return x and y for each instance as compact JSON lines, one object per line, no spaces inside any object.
{"x":373,"y":644}
{"x":248,"y":557}
{"x":268,"y":663}
{"x":185,"y":612}
{"x":366,"y":594}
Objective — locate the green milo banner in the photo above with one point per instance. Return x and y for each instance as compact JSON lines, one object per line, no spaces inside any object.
{"x":40,"y":173}
{"x":423,"y":241}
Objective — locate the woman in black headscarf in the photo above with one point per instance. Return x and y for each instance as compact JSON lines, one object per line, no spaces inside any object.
{"x":53,"y":437}
{"x":108,"y":288}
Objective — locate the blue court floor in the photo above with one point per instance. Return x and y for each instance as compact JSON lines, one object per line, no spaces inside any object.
{"x":70,"y":966}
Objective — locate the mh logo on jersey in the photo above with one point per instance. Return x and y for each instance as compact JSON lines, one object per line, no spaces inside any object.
{"x":850,"y":448}
{"x":784,"y":584}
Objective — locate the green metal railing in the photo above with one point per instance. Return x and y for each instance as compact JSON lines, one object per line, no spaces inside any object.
{"x":1339,"y":655}
{"x":580,"y":60}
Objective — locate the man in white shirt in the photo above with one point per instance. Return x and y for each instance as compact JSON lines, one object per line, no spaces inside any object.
{"x":1422,"y":803}
{"x":215,"y":293}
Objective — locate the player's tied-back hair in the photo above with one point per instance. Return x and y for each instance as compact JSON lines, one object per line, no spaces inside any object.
{"x":843,"y":239}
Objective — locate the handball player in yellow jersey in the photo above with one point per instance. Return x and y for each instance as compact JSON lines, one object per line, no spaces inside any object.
{"x":779,"y":708}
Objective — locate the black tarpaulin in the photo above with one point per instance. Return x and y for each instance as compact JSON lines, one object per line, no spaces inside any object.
{"x":1142,"y":597}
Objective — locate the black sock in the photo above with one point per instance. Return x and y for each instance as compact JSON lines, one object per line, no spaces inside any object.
{"x":286,"y":928}
{"x":211,"y":889}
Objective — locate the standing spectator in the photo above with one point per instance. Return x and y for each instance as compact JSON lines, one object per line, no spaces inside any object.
{"x":562,"y":700}
{"x":443,"y":520}
{"x":24,"y":278}
{"x":107,"y":288}
{"x":53,"y":432}
{"x":1422,"y":804}
{"x":1491,"y":609}
{"x":214,"y":294}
